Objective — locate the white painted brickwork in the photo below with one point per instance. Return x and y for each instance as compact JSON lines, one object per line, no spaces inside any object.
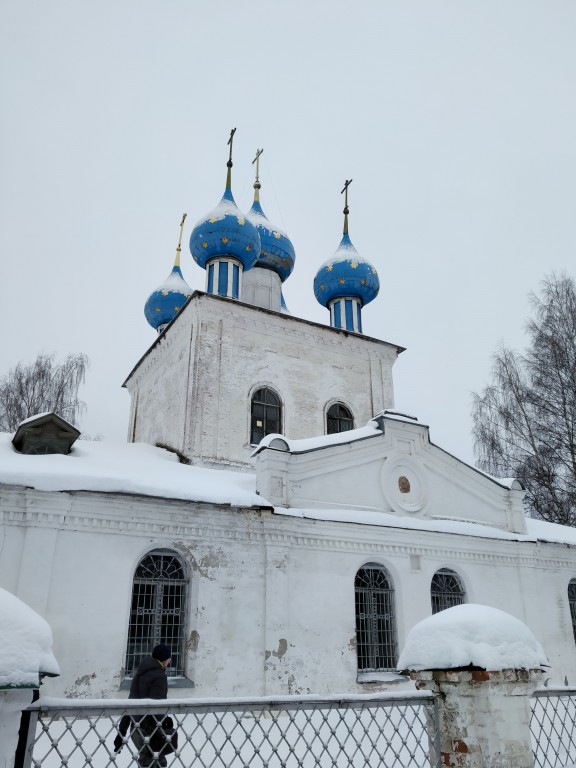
{"x":271,"y":600}
{"x":192,"y":389}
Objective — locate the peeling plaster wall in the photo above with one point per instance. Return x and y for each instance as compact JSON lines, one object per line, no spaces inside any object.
{"x":192,"y":389}
{"x":271,"y":600}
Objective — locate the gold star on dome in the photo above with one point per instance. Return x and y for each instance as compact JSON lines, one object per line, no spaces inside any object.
{"x":164,"y":293}
{"x":157,"y":309}
{"x":240,"y":221}
{"x":176,"y":309}
{"x":329,"y":268}
{"x":341,"y":280}
{"x":262,"y":253}
{"x":204,"y":244}
{"x":322,"y":287}
{"x":353,"y":264}
{"x":363,"y":281}
{"x":225,"y":240}
{"x":284,"y":260}
{"x":277,"y":235}
{"x":212,"y":221}
{"x":248,"y":247}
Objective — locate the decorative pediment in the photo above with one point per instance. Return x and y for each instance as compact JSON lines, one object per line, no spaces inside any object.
{"x":388,"y":466}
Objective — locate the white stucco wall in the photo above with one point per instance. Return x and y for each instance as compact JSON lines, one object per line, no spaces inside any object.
{"x":271,"y":604}
{"x":192,"y":389}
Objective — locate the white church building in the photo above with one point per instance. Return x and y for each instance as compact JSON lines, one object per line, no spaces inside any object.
{"x":272,"y":517}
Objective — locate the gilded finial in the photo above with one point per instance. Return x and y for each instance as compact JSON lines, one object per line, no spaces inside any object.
{"x":257,"y":184}
{"x":229,"y":163}
{"x":346,"y":209}
{"x":179,"y":248}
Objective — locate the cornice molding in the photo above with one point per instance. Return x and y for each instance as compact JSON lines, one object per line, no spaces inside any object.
{"x":168,"y":519}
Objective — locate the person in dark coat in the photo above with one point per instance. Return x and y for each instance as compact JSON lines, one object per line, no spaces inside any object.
{"x":149,"y":682}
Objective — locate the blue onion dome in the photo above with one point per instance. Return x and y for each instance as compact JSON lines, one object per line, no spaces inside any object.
{"x":346,"y":274}
{"x":167,"y":300}
{"x":276,"y":249}
{"x":225,"y":231}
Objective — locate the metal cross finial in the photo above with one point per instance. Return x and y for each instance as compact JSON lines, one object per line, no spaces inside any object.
{"x":179,"y":248}
{"x":230,"y":140}
{"x":257,"y":161}
{"x":346,"y":185}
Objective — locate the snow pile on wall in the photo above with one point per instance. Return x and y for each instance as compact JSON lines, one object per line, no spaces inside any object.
{"x":472,"y":635}
{"x":25,"y":644}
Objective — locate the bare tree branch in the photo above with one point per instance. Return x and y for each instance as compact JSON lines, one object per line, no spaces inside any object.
{"x":41,"y":386}
{"x":525,"y":421}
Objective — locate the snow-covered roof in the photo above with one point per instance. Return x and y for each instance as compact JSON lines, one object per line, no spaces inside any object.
{"x":25,"y":645}
{"x":137,"y":468}
{"x":475,"y":635}
{"x":126,"y":468}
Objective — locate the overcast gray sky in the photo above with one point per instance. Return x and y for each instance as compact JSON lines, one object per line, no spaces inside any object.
{"x":456,"y":120}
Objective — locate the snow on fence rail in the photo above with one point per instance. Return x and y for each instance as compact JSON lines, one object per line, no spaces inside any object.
{"x":398,"y":731}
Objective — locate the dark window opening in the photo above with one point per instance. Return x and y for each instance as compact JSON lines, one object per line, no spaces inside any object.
{"x":446,"y":590}
{"x":376,"y":643}
{"x":265,"y":415}
{"x":158,"y":610}
{"x":572,"y":603}
{"x":339,"y":419}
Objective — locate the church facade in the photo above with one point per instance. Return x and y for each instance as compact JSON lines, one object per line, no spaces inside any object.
{"x":306,"y":526}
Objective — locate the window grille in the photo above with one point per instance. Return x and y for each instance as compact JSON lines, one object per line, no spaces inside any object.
{"x":572,"y":603}
{"x":339,"y":419}
{"x":158,"y":610}
{"x":265,"y":415}
{"x":446,"y":590}
{"x":376,"y":644}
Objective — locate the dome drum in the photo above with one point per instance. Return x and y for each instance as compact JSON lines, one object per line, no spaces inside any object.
{"x":224,"y":276}
{"x":345,"y":313}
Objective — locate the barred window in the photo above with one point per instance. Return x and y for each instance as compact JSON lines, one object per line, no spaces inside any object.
{"x":572,"y":604}
{"x":158,"y":610}
{"x":338,"y":419}
{"x":376,"y":643}
{"x":266,"y":414}
{"x":446,"y":590}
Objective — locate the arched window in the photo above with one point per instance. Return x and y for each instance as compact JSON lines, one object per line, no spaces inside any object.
{"x":158,"y":610}
{"x":338,"y":419}
{"x":446,"y":590}
{"x":265,"y":415}
{"x":572,"y":604}
{"x":376,"y":644}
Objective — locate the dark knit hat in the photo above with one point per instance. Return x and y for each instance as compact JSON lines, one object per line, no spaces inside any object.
{"x":162,"y":652}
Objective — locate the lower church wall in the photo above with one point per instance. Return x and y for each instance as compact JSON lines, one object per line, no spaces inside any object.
{"x":271,"y":604}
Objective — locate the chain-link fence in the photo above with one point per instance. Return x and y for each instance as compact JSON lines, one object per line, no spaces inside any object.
{"x":295,"y":732}
{"x":553,"y":727}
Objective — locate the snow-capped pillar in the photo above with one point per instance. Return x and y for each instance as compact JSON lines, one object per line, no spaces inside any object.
{"x":484,"y":717}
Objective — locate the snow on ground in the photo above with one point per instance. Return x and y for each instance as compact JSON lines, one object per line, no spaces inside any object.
{"x":471,"y":634}
{"x":25,"y":644}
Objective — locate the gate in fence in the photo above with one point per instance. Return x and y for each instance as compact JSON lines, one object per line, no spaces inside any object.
{"x":398,"y":731}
